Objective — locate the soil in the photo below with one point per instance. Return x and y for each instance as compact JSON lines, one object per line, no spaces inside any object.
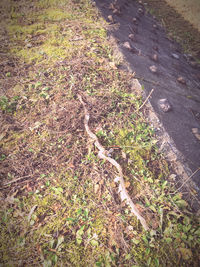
{"x":175,"y":75}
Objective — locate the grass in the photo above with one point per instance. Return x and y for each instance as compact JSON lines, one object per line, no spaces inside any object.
{"x":64,"y":209}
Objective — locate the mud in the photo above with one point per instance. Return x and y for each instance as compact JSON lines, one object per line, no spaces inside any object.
{"x":175,"y":77}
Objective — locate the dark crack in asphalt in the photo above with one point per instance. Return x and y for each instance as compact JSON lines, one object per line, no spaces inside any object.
{"x":159,"y":63}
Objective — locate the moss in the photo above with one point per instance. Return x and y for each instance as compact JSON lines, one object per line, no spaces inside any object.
{"x":95,"y":33}
{"x":20,"y":32}
{"x":52,"y":3}
{"x":49,"y":52}
{"x":51,"y":48}
{"x":51,"y":42}
{"x":55,"y":15}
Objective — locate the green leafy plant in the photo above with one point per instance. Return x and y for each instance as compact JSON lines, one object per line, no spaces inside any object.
{"x":8,"y":105}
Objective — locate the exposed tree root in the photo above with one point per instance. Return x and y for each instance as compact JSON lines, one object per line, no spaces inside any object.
{"x":119,"y":179}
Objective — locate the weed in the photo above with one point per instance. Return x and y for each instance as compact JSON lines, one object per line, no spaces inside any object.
{"x":8,"y":105}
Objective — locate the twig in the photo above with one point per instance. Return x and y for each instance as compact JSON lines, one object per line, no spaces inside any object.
{"x":16,"y":180}
{"x":131,"y":29}
{"x":119,"y":179}
{"x":76,"y":39}
{"x":146,"y":100}
{"x":187,"y":180}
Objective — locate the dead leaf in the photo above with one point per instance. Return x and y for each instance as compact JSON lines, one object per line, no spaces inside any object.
{"x":96,"y":188}
{"x":2,"y":136}
{"x":113,"y":184}
{"x":127,"y":184}
{"x":155,"y":224}
{"x":56,"y":206}
{"x":123,"y":155}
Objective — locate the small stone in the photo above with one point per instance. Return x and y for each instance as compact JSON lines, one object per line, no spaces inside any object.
{"x":155,"y":26}
{"x":128,"y":46}
{"x":135,"y":21}
{"x":175,"y":56}
{"x":110,"y":18}
{"x":153,"y":68}
{"x":140,"y":11}
{"x":154,"y":57}
{"x":116,"y":11}
{"x":164,"y":105}
{"x":131,"y":36}
{"x":140,"y":2}
{"x":196,"y":133}
{"x":180,"y":79}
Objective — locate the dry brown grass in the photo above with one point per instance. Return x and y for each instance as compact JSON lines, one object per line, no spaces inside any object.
{"x":189,"y":9}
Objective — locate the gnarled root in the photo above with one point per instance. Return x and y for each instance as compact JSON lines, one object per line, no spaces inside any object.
{"x":119,"y":179}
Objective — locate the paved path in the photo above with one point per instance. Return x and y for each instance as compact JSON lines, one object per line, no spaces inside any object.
{"x":148,"y":46}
